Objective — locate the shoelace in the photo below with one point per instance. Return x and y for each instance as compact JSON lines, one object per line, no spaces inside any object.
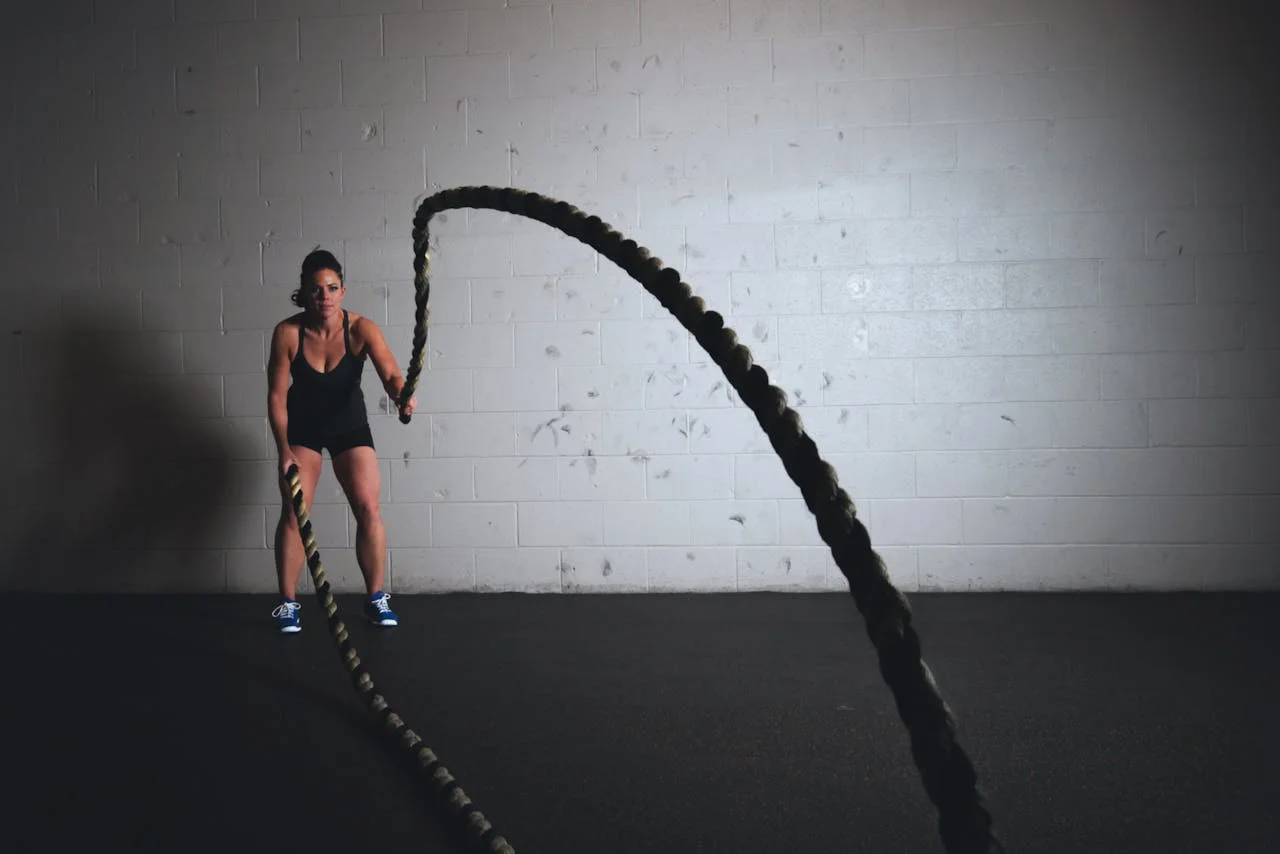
{"x":285,"y":609}
{"x":383,"y":604}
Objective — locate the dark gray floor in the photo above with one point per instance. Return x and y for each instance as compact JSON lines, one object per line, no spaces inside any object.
{"x":750,"y":723}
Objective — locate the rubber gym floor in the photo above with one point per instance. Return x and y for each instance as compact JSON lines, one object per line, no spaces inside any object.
{"x":658,"y":723}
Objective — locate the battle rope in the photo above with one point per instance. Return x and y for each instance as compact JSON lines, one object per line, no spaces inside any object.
{"x":947,"y":773}
{"x":444,"y":783}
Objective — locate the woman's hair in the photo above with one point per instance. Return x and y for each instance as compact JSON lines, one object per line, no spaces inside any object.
{"x":318,"y":259}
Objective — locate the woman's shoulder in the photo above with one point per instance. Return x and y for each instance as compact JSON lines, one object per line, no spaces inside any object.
{"x":361,"y":324}
{"x":285,"y":336}
{"x":291,"y":322}
{"x":363,"y":329}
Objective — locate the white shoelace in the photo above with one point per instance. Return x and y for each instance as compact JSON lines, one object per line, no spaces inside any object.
{"x":286,"y":609}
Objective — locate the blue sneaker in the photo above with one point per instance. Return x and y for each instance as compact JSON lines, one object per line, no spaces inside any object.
{"x":378,"y":610}
{"x":286,"y":614}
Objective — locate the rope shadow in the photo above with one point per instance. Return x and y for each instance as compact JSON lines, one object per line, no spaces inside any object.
{"x":351,"y":718}
{"x":201,"y":642}
{"x":217,"y":678}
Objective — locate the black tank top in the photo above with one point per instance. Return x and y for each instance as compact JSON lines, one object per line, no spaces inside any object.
{"x":329,"y":401}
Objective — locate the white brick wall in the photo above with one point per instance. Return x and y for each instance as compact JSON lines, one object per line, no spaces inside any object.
{"x":1012,"y":261}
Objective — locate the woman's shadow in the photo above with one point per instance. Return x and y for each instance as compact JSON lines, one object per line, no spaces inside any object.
{"x":121,"y":485}
{"x":122,"y":473}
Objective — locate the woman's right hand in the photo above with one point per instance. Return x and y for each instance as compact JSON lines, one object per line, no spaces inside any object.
{"x":286,"y":460}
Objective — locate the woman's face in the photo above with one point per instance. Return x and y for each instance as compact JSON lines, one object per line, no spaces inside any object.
{"x":324,"y":293}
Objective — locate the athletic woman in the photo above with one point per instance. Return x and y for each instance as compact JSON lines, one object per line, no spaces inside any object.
{"x":322,"y":350}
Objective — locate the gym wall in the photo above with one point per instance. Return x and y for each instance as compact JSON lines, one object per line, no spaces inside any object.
{"x":1008,"y":258}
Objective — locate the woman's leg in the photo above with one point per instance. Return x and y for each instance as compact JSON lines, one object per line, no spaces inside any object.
{"x":357,"y":471}
{"x":290,"y":555}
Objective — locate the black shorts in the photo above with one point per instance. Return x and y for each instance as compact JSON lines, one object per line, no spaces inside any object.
{"x":338,"y":442}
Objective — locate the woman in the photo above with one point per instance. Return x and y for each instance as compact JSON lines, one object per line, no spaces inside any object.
{"x":323,"y":349}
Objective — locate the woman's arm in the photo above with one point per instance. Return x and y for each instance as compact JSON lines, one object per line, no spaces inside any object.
{"x":384,"y":362}
{"x":278,"y":388}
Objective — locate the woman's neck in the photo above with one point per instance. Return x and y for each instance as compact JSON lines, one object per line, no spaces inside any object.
{"x":317,"y":323}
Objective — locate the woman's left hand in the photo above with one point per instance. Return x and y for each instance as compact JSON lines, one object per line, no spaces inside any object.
{"x":410,"y":407}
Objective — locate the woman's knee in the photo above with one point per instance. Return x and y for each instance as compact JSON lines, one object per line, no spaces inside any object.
{"x":288,"y":520}
{"x":307,"y":482}
{"x":361,"y":477}
{"x":367,"y":511}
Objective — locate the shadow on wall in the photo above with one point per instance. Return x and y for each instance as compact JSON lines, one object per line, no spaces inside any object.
{"x":116,"y":477}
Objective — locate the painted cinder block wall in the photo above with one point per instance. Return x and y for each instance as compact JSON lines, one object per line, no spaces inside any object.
{"x":1008,"y":258}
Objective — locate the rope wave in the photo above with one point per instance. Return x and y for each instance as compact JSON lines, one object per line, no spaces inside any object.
{"x":946,"y":771}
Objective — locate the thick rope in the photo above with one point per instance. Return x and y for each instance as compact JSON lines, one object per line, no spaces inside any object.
{"x":446,"y":787}
{"x":947,"y":773}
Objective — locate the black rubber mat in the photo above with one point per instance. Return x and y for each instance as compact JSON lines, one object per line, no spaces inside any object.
{"x":628,"y":724}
